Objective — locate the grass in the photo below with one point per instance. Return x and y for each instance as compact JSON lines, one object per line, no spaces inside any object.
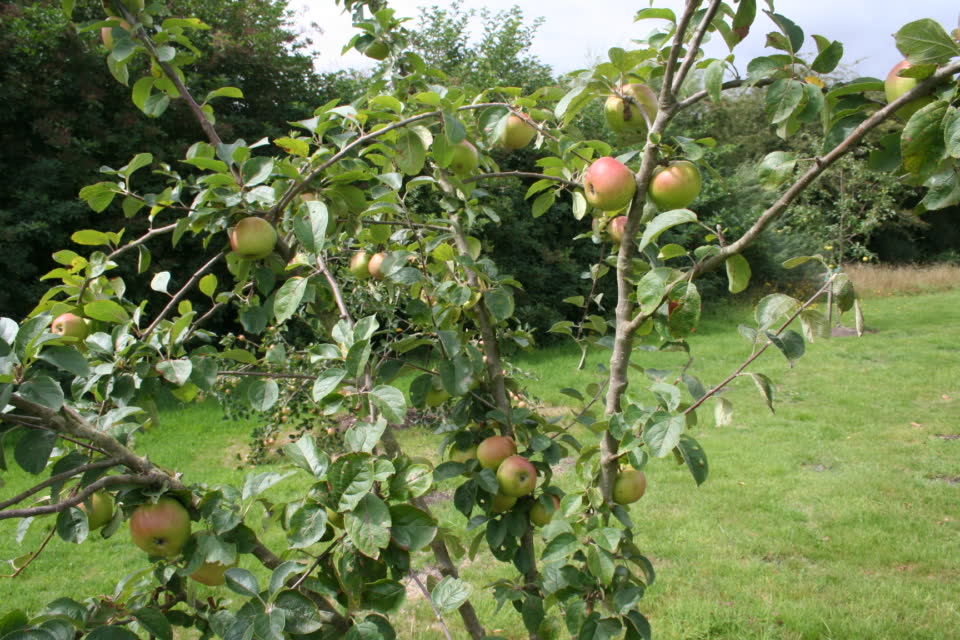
{"x":836,"y":517}
{"x":881,"y":280}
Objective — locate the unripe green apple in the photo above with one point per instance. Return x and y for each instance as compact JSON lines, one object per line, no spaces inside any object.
{"x":517,"y":477}
{"x":375,"y":265}
{"x":895,"y":86}
{"x":465,"y":158}
{"x":253,"y":238}
{"x":608,"y":184}
{"x":675,"y":185}
{"x":623,"y":116}
{"x":377,"y":50}
{"x":160,"y":529}
{"x":538,"y":513}
{"x":463,"y":455}
{"x":517,"y":133}
{"x":495,"y":450}
{"x":360,"y":265}
{"x":615,"y":229}
{"x":70,"y":325}
{"x":101,"y":509}
{"x":629,"y":486}
{"x":211,"y":573}
{"x":501,"y":503}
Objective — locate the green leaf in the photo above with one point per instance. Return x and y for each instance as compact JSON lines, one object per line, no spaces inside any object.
{"x":790,"y":343}
{"x":223,"y":92}
{"x":829,"y":56}
{"x":922,"y":145}
{"x":775,"y":308}
{"x":543,"y":203}
{"x":307,"y":525}
{"x":412,"y":528}
{"x":943,"y":189}
{"x":300,"y":614}
{"x":653,"y":287}
{"x":713,"y":79}
{"x":90,"y":238}
{"x":368,"y":525}
{"x":350,"y":478}
{"x":695,"y":457}
{"x":383,"y":596}
{"x":410,"y":152}
{"x":776,"y":168}
{"x":764,"y":386}
{"x":110,"y":633}
{"x":951,"y":131}
{"x":738,"y":273}
{"x":208,"y":285}
{"x":44,"y":391}
{"x":305,"y":454}
{"x":66,"y":358}
{"x":365,"y":436}
{"x":256,"y":483}
{"x":793,"y":33}
{"x":289,"y":298}
{"x":242,"y":582}
{"x":926,"y":42}
{"x":663,"y":222}
{"x":663,"y":435}
{"x":175,"y":371}
{"x":72,"y":525}
{"x":256,"y":170}
{"x":600,"y":564}
{"x":391,"y":403}
{"x":500,"y":302}
{"x":106,"y":311}
{"x":311,"y":228}
{"x":154,"y":622}
{"x":654,"y":13}
{"x":723,"y":412}
{"x":411,"y":481}
{"x":98,"y":197}
{"x":263,"y":394}
{"x":449,"y":594}
{"x":783,"y":99}
{"x":327,"y":382}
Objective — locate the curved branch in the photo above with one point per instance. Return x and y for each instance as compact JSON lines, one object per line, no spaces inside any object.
{"x":729,"y":84}
{"x":667,"y":97}
{"x":147,"y":479}
{"x":694,"y":46}
{"x":182,"y":292}
{"x":142,"y":239}
{"x":522,"y":174}
{"x":60,"y":477}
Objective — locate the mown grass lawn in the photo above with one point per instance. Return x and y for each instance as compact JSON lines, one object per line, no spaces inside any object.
{"x":836,"y":517}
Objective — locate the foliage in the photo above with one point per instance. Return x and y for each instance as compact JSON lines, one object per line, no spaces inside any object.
{"x":429,"y":326}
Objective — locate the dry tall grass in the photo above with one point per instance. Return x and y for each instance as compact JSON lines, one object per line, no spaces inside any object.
{"x":881,"y":280}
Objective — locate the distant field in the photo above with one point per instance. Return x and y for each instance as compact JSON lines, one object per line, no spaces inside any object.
{"x":838,"y":517}
{"x":881,"y":280}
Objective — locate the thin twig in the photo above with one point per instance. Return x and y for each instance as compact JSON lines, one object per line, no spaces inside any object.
{"x":694,"y":46}
{"x":60,"y":477}
{"x":34,"y":555}
{"x":181,"y":293}
{"x":436,"y":612}
{"x":522,"y":174}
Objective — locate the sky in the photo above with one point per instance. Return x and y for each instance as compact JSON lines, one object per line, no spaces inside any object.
{"x":577,"y":33}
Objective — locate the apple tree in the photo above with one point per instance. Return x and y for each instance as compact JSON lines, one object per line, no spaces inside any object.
{"x":346,"y":251}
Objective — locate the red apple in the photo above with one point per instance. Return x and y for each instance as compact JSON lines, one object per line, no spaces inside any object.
{"x":628,"y":115}
{"x":539,"y":515}
{"x":360,"y":265}
{"x":517,"y":133}
{"x":674,"y":186}
{"x":629,"y":486}
{"x":895,"y":86}
{"x":495,"y":450}
{"x":608,"y":184}
{"x":501,"y":503}
{"x":101,"y":509}
{"x":465,"y":158}
{"x":615,"y":229}
{"x":160,"y":529}
{"x":375,"y":265}
{"x":211,"y":573}
{"x":517,"y":477}
{"x":70,"y":325}
{"x":253,"y":238}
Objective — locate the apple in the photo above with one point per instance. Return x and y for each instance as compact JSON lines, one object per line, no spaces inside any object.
{"x":895,"y":86}
{"x":463,"y":455}
{"x":106,"y":33}
{"x":253,"y":238}
{"x":465,"y":158}
{"x":101,"y":509}
{"x":70,"y":326}
{"x":211,"y":573}
{"x":495,"y":450}
{"x":517,"y":133}
{"x":538,"y":514}
{"x":501,"y":503}
{"x":517,"y":476}
{"x":615,"y":229}
{"x":629,"y":486}
{"x":160,"y":529}
{"x":628,"y":115}
{"x":608,"y":184}
{"x":375,"y":265}
{"x":360,"y":265}
{"x":377,"y":50}
{"x":133,"y":6}
{"x":334,"y":518}
{"x":675,"y":185}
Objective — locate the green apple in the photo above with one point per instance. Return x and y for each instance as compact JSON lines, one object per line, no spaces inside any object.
{"x":377,"y":50}
{"x":253,"y":238}
{"x":70,"y":326}
{"x":211,"y":573}
{"x":106,"y":33}
{"x":360,"y":265}
{"x":615,"y":229}
{"x":335,"y":518}
{"x":675,"y":185}
{"x":627,"y":115}
{"x":895,"y":86}
{"x":517,"y":133}
{"x":465,"y":158}
{"x":375,"y":265}
{"x":517,"y":477}
{"x":629,"y":486}
{"x":501,"y":503}
{"x":462,"y":455}
{"x":539,"y":515}
{"x":608,"y":184}
{"x":495,"y":450}
{"x":100,"y":509}
{"x":161,"y":528}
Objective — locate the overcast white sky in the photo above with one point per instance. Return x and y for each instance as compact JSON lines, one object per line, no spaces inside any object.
{"x":577,"y":33}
